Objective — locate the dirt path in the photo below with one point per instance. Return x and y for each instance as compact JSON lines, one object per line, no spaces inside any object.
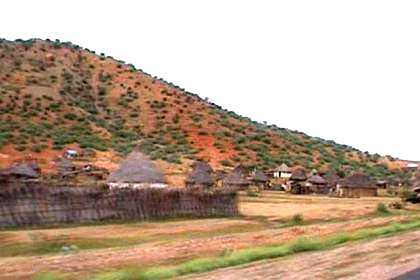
{"x":169,"y":251}
{"x":384,"y":258}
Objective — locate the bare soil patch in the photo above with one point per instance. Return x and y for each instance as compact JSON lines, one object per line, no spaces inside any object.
{"x":384,"y":258}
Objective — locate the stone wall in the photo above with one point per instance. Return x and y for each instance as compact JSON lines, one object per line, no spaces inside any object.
{"x":37,"y":205}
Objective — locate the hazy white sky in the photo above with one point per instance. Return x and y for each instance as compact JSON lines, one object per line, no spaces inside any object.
{"x":342,"y":70}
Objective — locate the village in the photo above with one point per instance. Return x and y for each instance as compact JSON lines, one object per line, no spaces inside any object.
{"x":110,"y":173}
{"x":137,"y":171}
{"x":134,"y":217}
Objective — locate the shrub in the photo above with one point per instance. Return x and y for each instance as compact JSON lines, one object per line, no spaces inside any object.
{"x":382,"y":209}
{"x":226,"y":162}
{"x":37,"y":148}
{"x":70,"y":116}
{"x":297,"y":219}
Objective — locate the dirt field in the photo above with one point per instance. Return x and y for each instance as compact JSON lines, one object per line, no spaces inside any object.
{"x":383,"y":259}
{"x":281,"y":206}
{"x":265,"y":221}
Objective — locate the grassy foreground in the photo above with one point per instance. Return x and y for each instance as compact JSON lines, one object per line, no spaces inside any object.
{"x":248,"y":255}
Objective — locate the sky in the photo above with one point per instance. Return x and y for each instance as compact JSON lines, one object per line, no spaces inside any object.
{"x":347,"y":71}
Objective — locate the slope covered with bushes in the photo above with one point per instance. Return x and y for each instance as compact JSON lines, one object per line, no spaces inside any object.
{"x":55,"y":94}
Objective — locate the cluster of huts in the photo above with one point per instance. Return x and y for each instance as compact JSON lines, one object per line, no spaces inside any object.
{"x":66,"y":171}
{"x":138,"y":171}
{"x":354,"y":185}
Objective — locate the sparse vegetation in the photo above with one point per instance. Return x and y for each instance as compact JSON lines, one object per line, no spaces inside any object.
{"x":382,"y":209}
{"x":296,"y":220}
{"x":125,"y":107}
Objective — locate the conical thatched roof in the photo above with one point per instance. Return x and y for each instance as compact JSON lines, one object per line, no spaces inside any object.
{"x":137,"y":168}
{"x":25,"y":169}
{"x":201,"y":174}
{"x":260,"y":177}
{"x":318,"y":180}
{"x":299,"y":175}
{"x":283,"y":168}
{"x":236,"y":178}
{"x":358,"y":180}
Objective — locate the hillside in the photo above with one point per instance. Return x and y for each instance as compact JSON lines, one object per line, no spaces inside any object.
{"x":55,"y":95}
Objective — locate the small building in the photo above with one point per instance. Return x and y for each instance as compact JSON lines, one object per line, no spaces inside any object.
{"x":382,"y":184}
{"x":298,"y":184}
{"x":69,"y":153}
{"x":201,"y":176}
{"x":283,"y":171}
{"x":137,"y":171}
{"x":21,"y":172}
{"x":357,"y":185}
{"x":317,"y":184}
{"x":260,"y":180}
{"x":236,"y":179}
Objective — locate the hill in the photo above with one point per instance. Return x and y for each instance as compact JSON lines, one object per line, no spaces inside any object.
{"x":55,"y":95}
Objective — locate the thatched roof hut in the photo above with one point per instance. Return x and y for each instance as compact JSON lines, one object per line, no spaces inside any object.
{"x":357,"y":185}
{"x":299,"y":175}
{"x":317,"y":180}
{"x":260,"y":177}
{"x":358,"y":180}
{"x":201,"y":175}
{"x":24,"y":170}
{"x":236,"y":178}
{"x":137,"y":169}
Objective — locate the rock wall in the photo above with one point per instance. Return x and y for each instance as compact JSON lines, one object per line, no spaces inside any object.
{"x":37,"y":205}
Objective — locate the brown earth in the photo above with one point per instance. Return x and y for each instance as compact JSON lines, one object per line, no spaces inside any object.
{"x":170,"y":251}
{"x":384,"y":258}
{"x":168,"y":242}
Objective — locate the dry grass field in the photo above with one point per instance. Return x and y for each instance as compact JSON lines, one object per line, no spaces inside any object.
{"x":281,"y":206}
{"x":83,"y":252}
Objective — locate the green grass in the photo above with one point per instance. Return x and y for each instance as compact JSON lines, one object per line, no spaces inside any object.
{"x":256,"y":254}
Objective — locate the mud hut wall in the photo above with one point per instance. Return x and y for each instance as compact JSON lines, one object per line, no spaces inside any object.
{"x":357,"y":192}
{"x":40,"y":206}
